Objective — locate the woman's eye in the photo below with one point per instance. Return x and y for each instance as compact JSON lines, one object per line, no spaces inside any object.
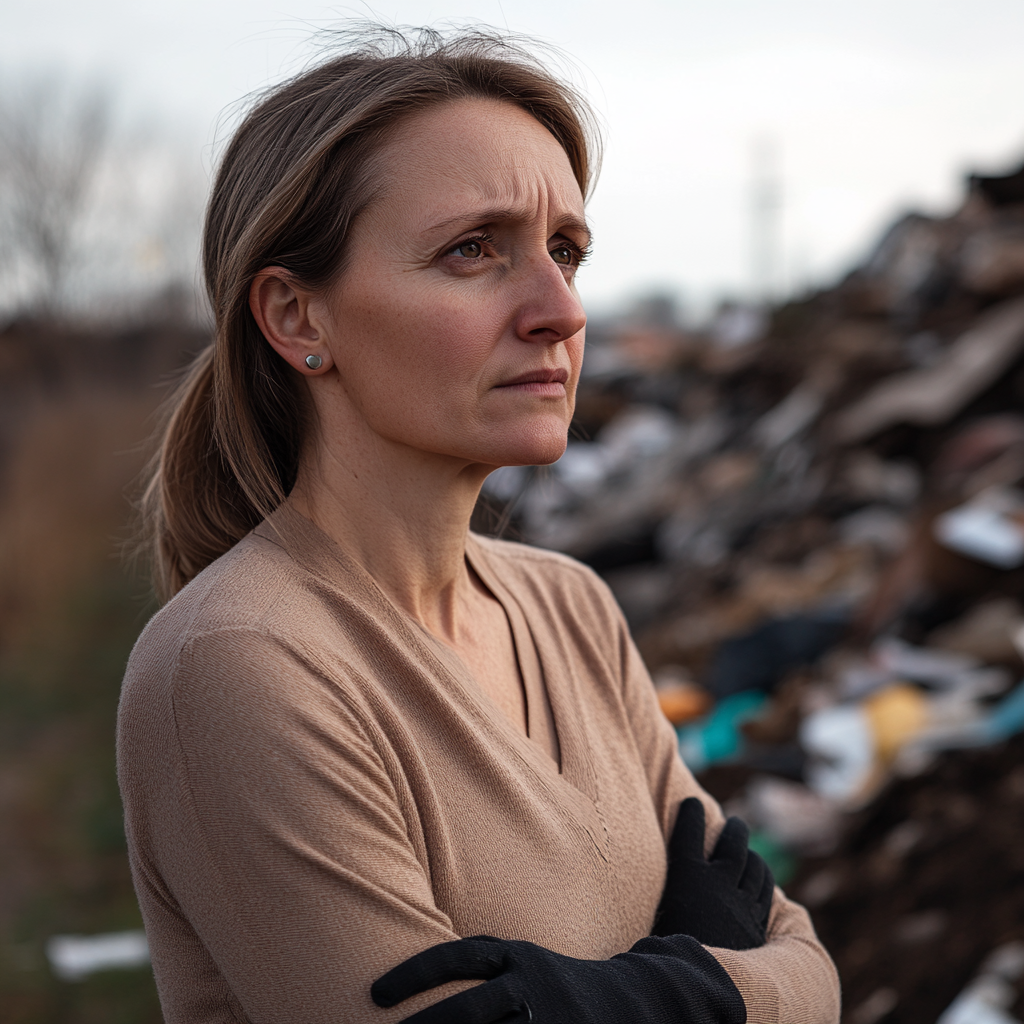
{"x":470,"y":250}
{"x":563,"y":255}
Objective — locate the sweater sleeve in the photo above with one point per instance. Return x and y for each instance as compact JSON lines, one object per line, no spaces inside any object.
{"x":789,"y":980}
{"x":270,"y":850}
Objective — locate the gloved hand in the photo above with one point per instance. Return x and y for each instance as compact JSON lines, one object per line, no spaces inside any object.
{"x":659,"y":981}
{"x":724,"y":901}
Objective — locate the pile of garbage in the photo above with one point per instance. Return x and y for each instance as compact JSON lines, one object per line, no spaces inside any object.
{"x":813,"y":518}
{"x":922,"y":904}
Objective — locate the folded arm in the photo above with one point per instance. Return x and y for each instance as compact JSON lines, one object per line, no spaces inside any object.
{"x":270,"y":847}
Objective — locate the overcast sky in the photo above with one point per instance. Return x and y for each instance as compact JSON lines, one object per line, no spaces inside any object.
{"x":873,"y":106}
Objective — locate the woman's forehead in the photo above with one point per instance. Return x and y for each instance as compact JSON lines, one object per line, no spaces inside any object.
{"x":483,"y":154}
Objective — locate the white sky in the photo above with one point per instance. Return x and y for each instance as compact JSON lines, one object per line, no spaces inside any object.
{"x":874,"y":106}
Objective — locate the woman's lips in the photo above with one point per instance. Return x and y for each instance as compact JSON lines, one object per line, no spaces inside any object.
{"x":539,"y":382}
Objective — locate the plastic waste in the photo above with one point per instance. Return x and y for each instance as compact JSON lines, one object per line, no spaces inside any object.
{"x":1007,"y":718}
{"x":717,"y":737}
{"x":839,"y":743}
{"x":791,"y":815}
{"x":985,"y":632}
{"x":759,"y":660}
{"x":1004,"y":720}
{"x":989,"y":529}
{"x":680,"y":699}
{"x":74,"y":957}
{"x":782,"y":863}
{"x":987,"y":999}
{"x":893,"y":660}
{"x":895,"y":715}
{"x":852,"y":745}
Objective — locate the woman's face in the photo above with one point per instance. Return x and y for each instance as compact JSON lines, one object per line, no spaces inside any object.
{"x":456,"y":328}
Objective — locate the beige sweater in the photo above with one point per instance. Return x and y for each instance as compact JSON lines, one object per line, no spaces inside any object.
{"x":315,"y":789}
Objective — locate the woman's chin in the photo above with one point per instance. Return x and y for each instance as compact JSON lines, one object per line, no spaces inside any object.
{"x":535,"y":447}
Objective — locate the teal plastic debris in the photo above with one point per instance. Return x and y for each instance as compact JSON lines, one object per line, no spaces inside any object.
{"x":1007,"y":717}
{"x":717,"y":736}
{"x":782,"y":863}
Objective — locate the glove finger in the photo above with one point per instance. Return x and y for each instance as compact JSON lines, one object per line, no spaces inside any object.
{"x":687,"y":839}
{"x":766,"y":895}
{"x":462,"y":960}
{"x":752,"y":879}
{"x":485,"y":1004}
{"x":730,"y":852}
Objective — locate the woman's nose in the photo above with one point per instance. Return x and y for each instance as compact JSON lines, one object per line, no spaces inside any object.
{"x":550,"y":310}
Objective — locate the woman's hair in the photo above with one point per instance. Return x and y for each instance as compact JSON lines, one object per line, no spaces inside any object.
{"x":297,"y":172}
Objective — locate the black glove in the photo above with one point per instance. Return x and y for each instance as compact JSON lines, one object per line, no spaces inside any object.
{"x":659,"y":981}
{"x":724,"y":901}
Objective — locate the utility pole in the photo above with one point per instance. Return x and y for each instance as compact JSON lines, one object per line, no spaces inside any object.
{"x":765,"y":220}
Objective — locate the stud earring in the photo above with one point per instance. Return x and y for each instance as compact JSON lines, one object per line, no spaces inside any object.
{"x":314,"y":362}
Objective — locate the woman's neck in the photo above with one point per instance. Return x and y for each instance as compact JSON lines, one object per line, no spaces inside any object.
{"x":403,"y":516}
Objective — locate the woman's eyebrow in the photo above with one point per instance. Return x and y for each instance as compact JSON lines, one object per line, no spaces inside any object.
{"x":496,"y":215}
{"x":578,"y":224}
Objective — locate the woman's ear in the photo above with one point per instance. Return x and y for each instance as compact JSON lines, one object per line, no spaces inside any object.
{"x":287,"y":314}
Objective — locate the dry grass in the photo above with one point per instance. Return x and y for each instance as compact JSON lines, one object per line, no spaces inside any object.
{"x":69,"y":614}
{"x":63,"y":507}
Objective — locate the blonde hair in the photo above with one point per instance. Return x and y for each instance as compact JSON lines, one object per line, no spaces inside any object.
{"x":296,"y":174}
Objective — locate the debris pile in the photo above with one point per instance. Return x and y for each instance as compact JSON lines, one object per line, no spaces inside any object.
{"x":925,"y":889}
{"x":813,"y":518}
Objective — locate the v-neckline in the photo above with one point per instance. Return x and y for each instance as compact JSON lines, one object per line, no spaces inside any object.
{"x":576,"y":771}
{"x":575,"y":777}
{"x":308,"y":545}
{"x":531,"y":671}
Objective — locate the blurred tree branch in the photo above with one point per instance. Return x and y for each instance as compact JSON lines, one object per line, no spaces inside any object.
{"x":52,"y":139}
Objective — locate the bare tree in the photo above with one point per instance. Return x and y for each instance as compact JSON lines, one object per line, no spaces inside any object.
{"x":52,"y":138}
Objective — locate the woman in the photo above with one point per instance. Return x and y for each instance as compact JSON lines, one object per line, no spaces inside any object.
{"x":358,"y":733}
